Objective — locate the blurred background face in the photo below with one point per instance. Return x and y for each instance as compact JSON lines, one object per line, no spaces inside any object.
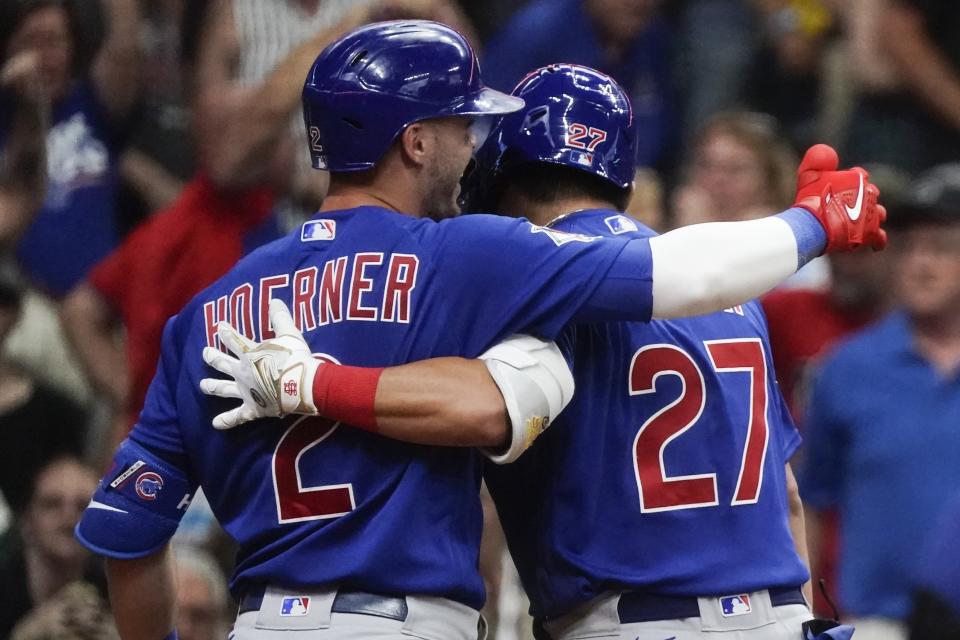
{"x":46,"y":33}
{"x":928,"y":269}
{"x":197,"y":609}
{"x":621,"y":20}
{"x":62,"y":491}
{"x":730,"y":175}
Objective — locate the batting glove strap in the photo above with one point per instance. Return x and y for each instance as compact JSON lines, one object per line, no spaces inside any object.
{"x":294,"y":387}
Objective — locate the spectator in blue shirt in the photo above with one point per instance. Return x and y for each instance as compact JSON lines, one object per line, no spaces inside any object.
{"x":936,"y":604}
{"x":627,"y":39}
{"x":883,"y":427}
{"x":23,"y":168}
{"x":91,"y":96}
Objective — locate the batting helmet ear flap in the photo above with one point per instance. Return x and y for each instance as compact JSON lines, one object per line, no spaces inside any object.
{"x":364,"y":89}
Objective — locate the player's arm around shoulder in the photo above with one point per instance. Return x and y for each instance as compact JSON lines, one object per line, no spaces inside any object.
{"x":709,"y":267}
{"x":500,"y":401}
{"x":495,"y":255}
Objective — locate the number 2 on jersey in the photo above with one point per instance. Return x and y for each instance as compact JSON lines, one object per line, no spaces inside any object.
{"x":296,"y":503}
{"x":658,"y":492}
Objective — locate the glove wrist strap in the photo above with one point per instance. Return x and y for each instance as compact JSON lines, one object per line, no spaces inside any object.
{"x":296,"y":388}
{"x":809,"y":231}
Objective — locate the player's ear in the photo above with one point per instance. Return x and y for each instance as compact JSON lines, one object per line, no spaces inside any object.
{"x":414,"y":144}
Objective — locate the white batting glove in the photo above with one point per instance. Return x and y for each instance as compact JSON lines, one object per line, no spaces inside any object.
{"x":272,"y":378}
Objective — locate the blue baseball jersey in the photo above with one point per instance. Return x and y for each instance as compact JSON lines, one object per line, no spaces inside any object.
{"x":312,"y":503}
{"x":666,"y":473}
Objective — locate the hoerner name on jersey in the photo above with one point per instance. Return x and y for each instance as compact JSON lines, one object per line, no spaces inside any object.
{"x":364,"y":287}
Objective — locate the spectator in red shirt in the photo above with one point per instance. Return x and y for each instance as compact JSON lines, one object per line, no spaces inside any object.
{"x":151,"y":276}
{"x":804,"y":323}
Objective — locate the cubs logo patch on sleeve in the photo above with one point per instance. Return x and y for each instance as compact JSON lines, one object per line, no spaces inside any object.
{"x":148,"y":485}
{"x":137,"y":505}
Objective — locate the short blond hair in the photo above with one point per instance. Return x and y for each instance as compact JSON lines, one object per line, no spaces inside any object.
{"x":758,"y":132}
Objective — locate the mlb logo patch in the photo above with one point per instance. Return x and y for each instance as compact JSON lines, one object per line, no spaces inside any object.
{"x":584,"y":158}
{"x":620,"y":224}
{"x":295,"y":606}
{"x":737,"y":605}
{"x":318,"y":230}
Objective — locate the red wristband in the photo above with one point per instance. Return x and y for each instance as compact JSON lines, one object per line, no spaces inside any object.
{"x":347,"y":394}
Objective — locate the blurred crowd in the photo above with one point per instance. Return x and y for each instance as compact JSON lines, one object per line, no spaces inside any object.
{"x":145,"y":146}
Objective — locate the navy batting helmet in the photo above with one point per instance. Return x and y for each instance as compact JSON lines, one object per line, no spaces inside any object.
{"x":364,"y":89}
{"x":574,"y":116}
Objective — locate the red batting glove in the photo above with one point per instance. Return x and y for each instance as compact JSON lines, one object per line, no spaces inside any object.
{"x":845,"y":202}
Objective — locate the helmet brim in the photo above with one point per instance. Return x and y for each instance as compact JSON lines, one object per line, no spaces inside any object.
{"x":488,"y":102}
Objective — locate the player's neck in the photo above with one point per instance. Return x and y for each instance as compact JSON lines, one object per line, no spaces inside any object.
{"x":379,"y":187}
{"x":545,"y":213}
{"x":349,"y":197}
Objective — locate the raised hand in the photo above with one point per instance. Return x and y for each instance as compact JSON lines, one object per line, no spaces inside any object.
{"x":844,"y":201}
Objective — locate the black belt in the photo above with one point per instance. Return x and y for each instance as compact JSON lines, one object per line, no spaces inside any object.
{"x":644,"y":607}
{"x":368,"y":604}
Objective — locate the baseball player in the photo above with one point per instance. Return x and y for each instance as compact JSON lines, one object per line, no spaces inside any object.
{"x":343,"y":534}
{"x":663,"y":504}
{"x":609,"y":534}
